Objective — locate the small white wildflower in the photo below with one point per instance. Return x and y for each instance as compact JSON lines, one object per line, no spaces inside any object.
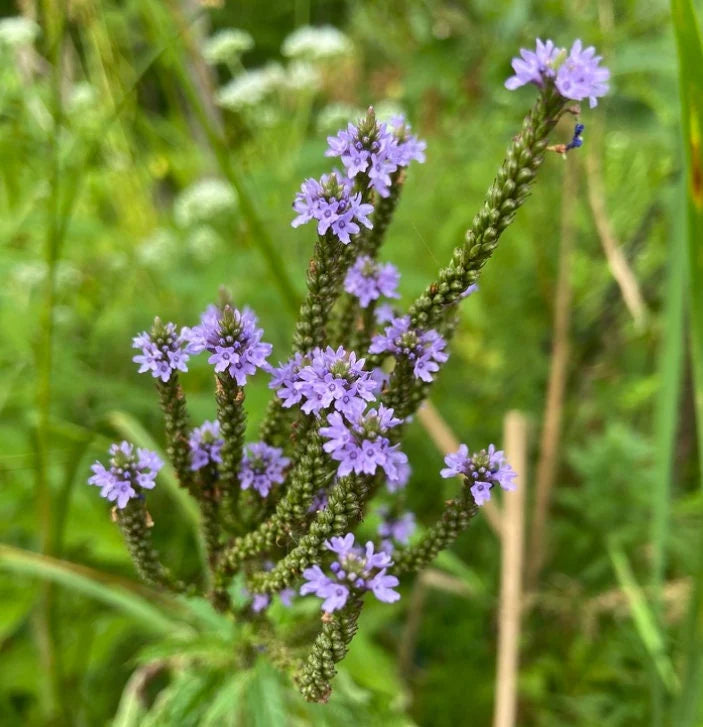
{"x":251,"y":88}
{"x":337,"y":115}
{"x":17,"y":31}
{"x":302,"y":76}
{"x":387,"y":109}
{"x":81,"y":97}
{"x":316,"y":43}
{"x":156,"y":249}
{"x":203,"y":200}
{"x":227,"y":45}
{"x":203,"y":242}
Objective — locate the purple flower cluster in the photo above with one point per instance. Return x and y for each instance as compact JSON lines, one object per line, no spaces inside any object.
{"x":129,"y":473}
{"x":368,"y":280}
{"x":322,"y":379}
{"x":485,"y":469}
{"x":205,"y":444}
{"x":424,"y":349}
{"x":359,"y":444}
{"x":395,"y":529}
{"x":334,"y":204}
{"x":577,"y":75}
{"x":162,"y":352}
{"x":262,"y":467}
{"x":356,"y":570}
{"x":377,"y":154}
{"x":233,"y":340}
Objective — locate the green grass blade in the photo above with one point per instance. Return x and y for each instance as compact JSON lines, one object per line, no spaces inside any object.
{"x":643,"y":619}
{"x":120,"y":593}
{"x":690,"y":55}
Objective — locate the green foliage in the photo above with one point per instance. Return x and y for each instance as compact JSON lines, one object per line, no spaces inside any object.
{"x":107,"y":124}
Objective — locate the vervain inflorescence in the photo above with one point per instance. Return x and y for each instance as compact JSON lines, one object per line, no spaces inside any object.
{"x":282,"y":511}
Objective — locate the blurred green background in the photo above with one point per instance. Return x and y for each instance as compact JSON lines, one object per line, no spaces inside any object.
{"x":143,"y":165}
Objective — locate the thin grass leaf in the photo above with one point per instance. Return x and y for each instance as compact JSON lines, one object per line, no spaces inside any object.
{"x":644,"y":620}
{"x":265,"y":697}
{"x":132,"y":598}
{"x":690,"y":55}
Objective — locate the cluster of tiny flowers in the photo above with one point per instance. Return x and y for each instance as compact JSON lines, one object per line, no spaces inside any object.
{"x":356,"y":570}
{"x":323,"y":379}
{"x":377,"y":155}
{"x":395,"y":530}
{"x":334,"y":204}
{"x":368,"y":280}
{"x":424,"y":349}
{"x":262,"y":467}
{"x":233,"y":340}
{"x":359,"y":444}
{"x":205,"y":444}
{"x":162,"y":352}
{"x":129,"y":473}
{"x":577,"y":75}
{"x":484,"y":469}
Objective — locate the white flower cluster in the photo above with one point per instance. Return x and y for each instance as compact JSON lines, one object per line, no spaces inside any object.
{"x":18,"y":31}
{"x":203,"y":200}
{"x":316,"y":43}
{"x":251,"y":87}
{"x":227,"y":45}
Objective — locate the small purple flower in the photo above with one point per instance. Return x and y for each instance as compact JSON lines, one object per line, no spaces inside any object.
{"x":473,"y":288}
{"x":534,"y":66}
{"x":424,"y":349}
{"x":368,"y":280}
{"x":205,"y":444}
{"x":260,"y":602}
{"x":129,"y":473}
{"x":334,"y":204}
{"x":359,"y":445}
{"x":325,"y":379}
{"x":384,"y":313}
{"x":376,"y":150}
{"x":483,"y":469}
{"x":163,"y":351}
{"x":262,"y":467}
{"x":319,"y":501}
{"x":397,"y":529}
{"x":233,"y":339}
{"x":355,"y":570}
{"x":287,"y":595}
{"x":580,"y":76}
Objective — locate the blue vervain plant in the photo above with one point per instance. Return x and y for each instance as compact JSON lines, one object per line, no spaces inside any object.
{"x":282,"y":511}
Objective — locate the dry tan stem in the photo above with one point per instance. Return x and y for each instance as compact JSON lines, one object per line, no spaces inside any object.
{"x":512,"y":550}
{"x":617,"y":263}
{"x":551,"y":429}
{"x":446,"y":442}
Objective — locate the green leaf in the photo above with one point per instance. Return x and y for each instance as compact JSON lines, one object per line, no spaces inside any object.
{"x":690,"y":54}
{"x":643,"y":618}
{"x":265,"y":697}
{"x":120,"y":593}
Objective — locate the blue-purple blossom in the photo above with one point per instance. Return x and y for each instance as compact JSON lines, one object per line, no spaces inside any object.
{"x":384,"y":313}
{"x":334,"y":204}
{"x":577,"y":76}
{"x":395,"y":529}
{"x":359,"y":443}
{"x":473,"y":288}
{"x":262,"y":467}
{"x":377,"y":154}
{"x":423,"y":349}
{"x":355,"y":571}
{"x":233,"y":339}
{"x":205,"y":444}
{"x":368,"y":280}
{"x":580,"y":76}
{"x":534,"y":66}
{"x":324,"y":379}
{"x":484,"y":469}
{"x":162,"y":352}
{"x":319,"y":501}
{"x":130,"y":472}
